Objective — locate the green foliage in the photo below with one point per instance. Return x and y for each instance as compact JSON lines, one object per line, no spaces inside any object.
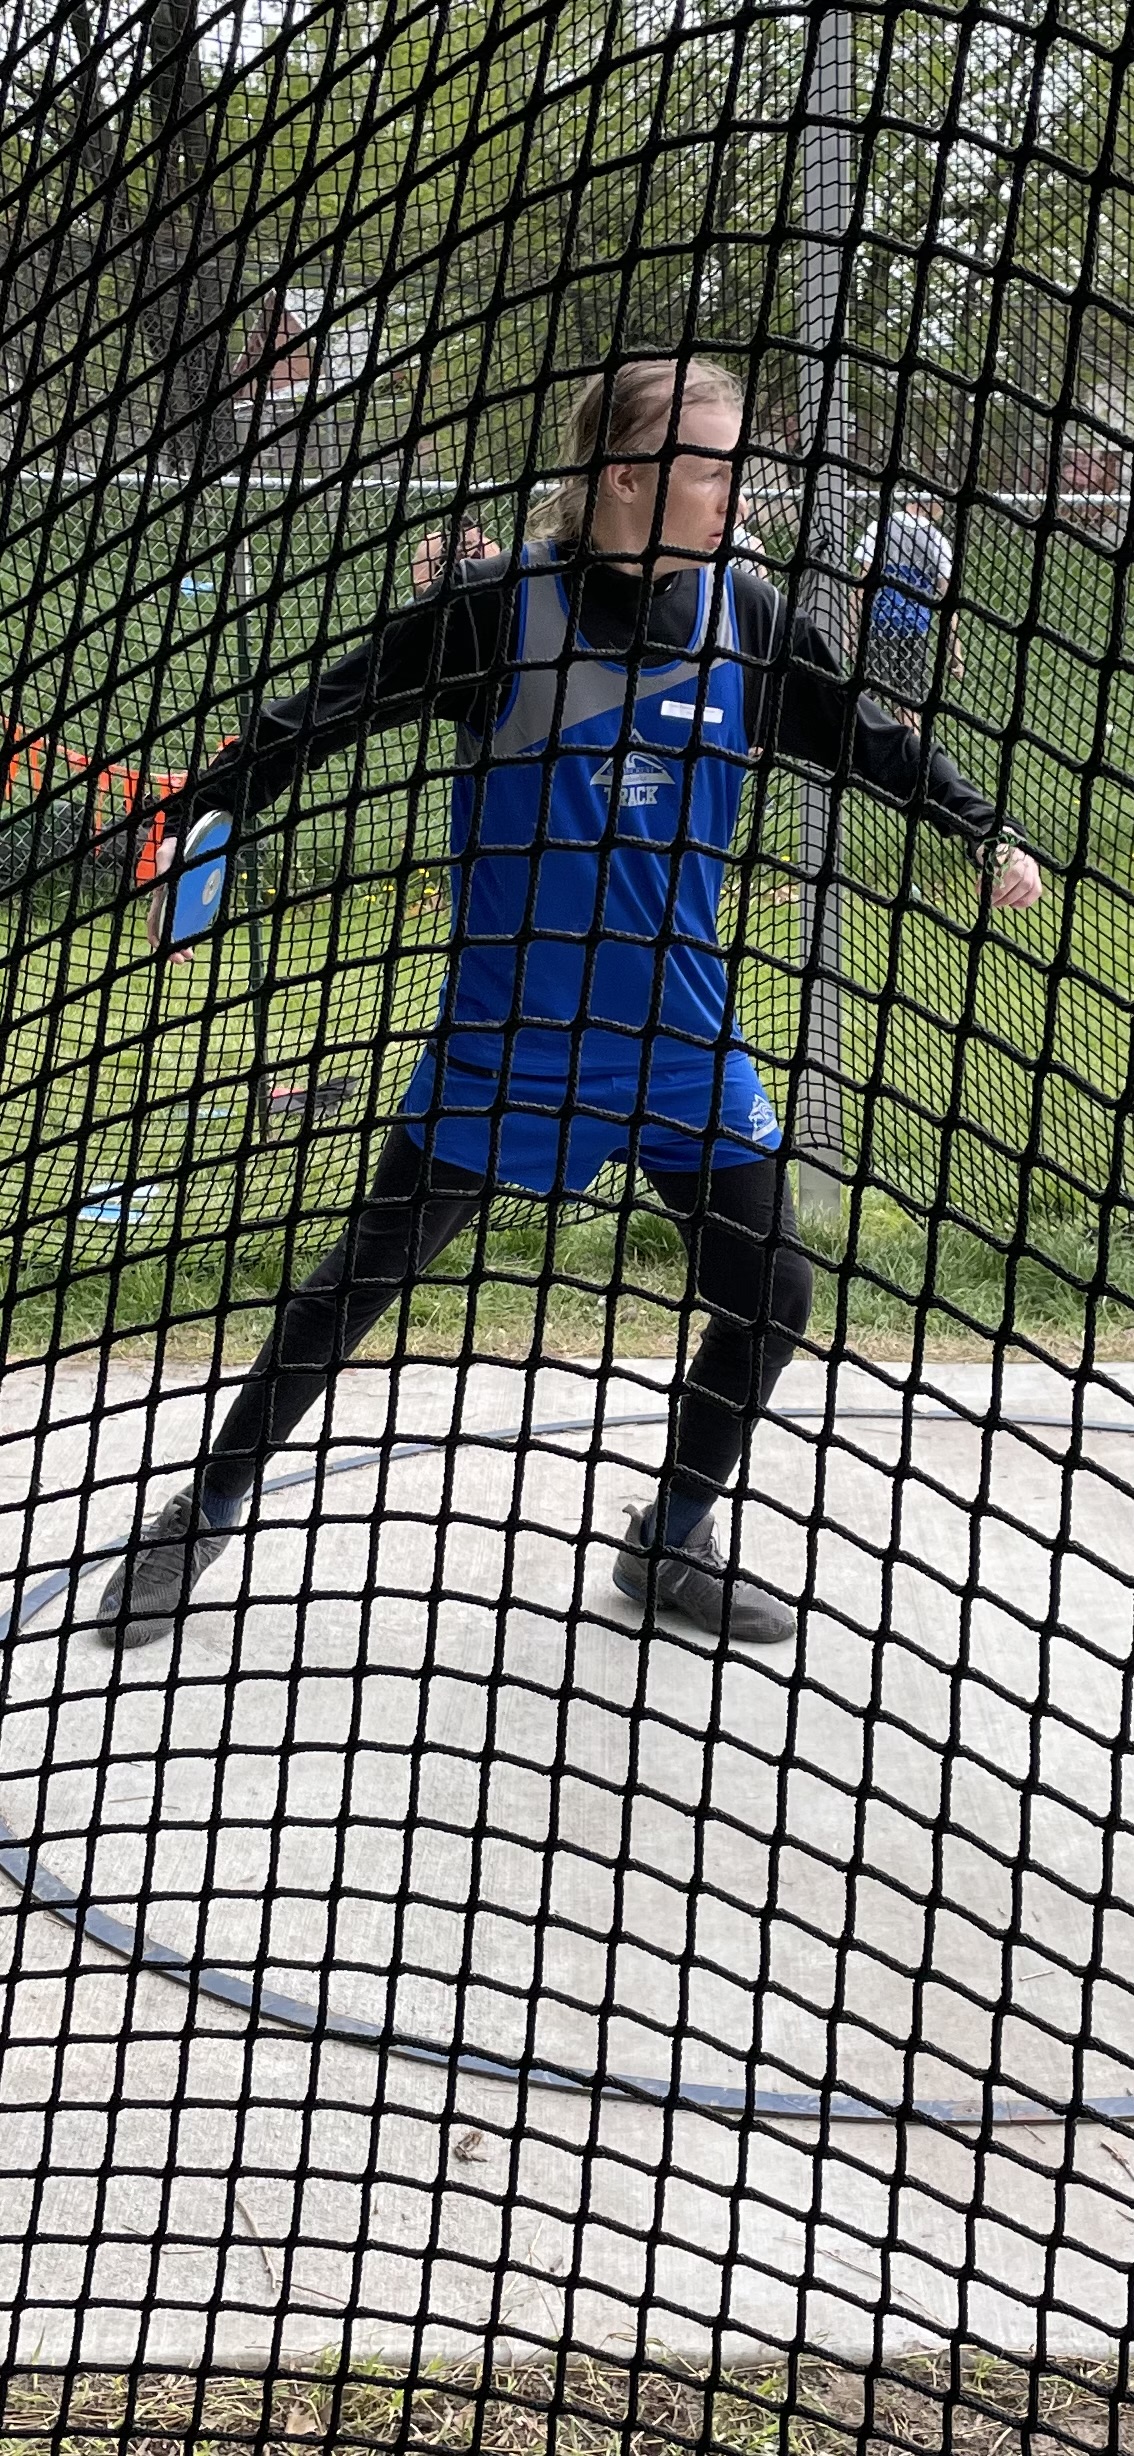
{"x":486,"y":194}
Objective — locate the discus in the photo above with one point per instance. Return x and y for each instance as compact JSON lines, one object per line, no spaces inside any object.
{"x":199,"y":892}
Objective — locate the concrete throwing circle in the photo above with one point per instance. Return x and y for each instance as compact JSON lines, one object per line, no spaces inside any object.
{"x":416,"y":1780}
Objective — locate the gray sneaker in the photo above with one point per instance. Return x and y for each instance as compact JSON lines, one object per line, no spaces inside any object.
{"x":696,"y":1583}
{"x":175,"y":1549}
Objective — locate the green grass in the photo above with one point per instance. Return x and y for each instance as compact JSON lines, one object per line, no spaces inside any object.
{"x":601,"y":1285}
{"x":115,"y":1075}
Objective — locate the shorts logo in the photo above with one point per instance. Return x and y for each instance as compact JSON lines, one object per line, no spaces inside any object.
{"x":642,"y":779}
{"x":212,"y":886}
{"x":761,"y":1117}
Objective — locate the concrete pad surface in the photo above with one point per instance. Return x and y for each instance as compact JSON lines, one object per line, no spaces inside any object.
{"x":411,"y":1759}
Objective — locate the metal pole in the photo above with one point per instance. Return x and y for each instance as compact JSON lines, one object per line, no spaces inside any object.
{"x":823,"y":438}
{"x":242,"y":582}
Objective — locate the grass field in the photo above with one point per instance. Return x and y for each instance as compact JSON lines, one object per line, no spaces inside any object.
{"x":114,"y":1076}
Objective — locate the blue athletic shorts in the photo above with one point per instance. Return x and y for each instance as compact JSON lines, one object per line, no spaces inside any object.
{"x":532,"y":1140}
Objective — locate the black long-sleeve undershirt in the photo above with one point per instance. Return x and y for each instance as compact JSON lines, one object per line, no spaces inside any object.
{"x":452,"y":652}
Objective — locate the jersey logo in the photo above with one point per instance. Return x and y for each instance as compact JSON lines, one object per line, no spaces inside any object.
{"x":642,"y":779}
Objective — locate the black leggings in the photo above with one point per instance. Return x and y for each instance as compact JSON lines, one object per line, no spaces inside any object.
{"x":413,"y":1210}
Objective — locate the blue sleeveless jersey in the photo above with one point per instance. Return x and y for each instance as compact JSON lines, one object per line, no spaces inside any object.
{"x":588,"y":839}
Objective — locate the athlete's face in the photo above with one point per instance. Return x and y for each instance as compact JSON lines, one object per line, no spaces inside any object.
{"x":694,"y":489}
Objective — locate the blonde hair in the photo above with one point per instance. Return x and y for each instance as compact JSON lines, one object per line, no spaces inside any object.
{"x":638,"y":401}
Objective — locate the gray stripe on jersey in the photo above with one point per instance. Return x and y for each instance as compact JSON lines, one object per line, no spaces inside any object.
{"x":546,"y":699}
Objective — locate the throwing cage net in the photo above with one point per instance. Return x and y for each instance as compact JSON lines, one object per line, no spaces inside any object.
{"x":453,"y":1998}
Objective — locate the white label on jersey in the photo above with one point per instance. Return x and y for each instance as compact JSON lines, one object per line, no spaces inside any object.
{"x":677,"y":707}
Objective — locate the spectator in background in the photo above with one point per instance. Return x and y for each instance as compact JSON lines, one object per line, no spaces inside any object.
{"x":916,"y":566}
{"x":429,"y":558}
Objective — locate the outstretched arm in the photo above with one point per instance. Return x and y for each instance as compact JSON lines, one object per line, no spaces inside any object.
{"x":445,"y":653}
{"x":442,"y":653}
{"x":884,"y":753}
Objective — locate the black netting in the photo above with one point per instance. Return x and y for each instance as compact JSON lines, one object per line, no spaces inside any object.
{"x":484,"y":1965}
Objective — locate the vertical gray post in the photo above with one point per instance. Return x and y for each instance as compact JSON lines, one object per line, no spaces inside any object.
{"x":242,"y":580}
{"x":823,"y":438}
